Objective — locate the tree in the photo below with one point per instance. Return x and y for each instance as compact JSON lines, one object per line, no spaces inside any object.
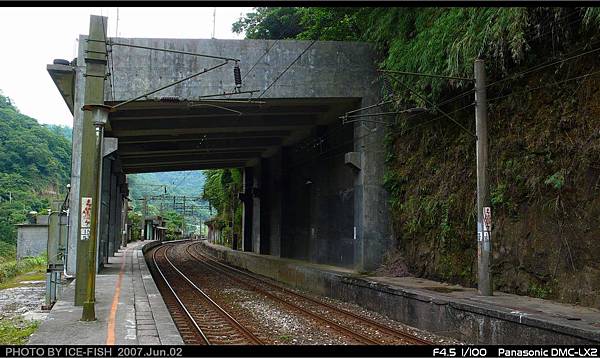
{"x":270,"y":23}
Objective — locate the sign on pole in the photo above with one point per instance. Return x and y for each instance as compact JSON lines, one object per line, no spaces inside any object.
{"x":86,"y":217}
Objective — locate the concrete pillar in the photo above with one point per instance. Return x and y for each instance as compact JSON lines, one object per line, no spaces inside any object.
{"x":256,"y":209}
{"x":273,"y":177}
{"x":265,"y":208}
{"x":112,"y":216}
{"x":103,"y":246}
{"x":77,"y":135}
{"x":373,"y":234}
{"x":118,"y":218}
{"x":248,"y":206}
{"x":124,"y":228}
{"x":95,"y":57}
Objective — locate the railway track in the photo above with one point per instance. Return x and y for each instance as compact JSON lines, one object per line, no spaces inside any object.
{"x":199,"y":318}
{"x":347,"y":323}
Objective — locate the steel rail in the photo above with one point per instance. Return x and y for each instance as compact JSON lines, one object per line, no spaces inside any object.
{"x":389,"y":330}
{"x":175,"y":294}
{"x":234,"y":323}
{"x":334,"y":325}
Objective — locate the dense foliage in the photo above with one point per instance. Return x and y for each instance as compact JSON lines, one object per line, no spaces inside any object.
{"x":34,"y":168}
{"x":220,"y":190}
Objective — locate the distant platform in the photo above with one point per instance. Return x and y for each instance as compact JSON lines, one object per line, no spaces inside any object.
{"x":134,"y":314}
{"x":446,"y":310}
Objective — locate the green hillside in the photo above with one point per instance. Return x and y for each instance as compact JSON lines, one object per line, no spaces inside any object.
{"x":34,"y":169}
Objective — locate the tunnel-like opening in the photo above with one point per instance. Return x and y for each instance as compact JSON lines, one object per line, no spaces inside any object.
{"x":297,"y":193}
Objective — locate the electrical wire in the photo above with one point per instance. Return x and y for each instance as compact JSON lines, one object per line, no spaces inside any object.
{"x":287,"y":68}
{"x":260,"y":58}
{"x":110,"y":80}
{"x":545,"y":86}
{"x":546,"y":65}
{"x":435,"y":107}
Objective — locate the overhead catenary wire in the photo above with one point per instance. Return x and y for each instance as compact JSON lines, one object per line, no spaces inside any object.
{"x":545,"y":86}
{"x":435,"y":107}
{"x":170,"y":85}
{"x":109,"y":74}
{"x":287,"y":68}
{"x":259,"y":59}
{"x":113,"y":43}
{"x":546,"y":65}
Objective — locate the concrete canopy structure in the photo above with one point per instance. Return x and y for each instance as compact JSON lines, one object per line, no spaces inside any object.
{"x":161,"y":136}
{"x":312,"y":185}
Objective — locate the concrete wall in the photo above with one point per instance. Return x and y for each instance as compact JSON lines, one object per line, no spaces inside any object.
{"x":307,"y":200}
{"x":32,"y":240}
{"x":74,"y":199}
{"x":328,"y":68}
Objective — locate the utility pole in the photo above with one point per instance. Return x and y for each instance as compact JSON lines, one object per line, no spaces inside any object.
{"x":145,"y":229}
{"x":183,"y":219}
{"x":100,"y":118}
{"x":484,"y":213}
{"x":214,"y":22}
{"x":95,"y":114}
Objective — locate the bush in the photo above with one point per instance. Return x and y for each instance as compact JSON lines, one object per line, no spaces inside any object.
{"x":13,"y":268}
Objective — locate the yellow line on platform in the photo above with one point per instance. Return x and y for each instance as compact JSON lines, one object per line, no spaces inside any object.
{"x":110,"y":334}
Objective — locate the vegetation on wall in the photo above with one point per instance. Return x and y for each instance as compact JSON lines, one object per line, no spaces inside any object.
{"x":220,"y":190}
{"x":544,"y":157}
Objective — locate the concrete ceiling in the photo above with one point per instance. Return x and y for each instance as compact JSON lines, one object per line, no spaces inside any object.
{"x":164,"y":136}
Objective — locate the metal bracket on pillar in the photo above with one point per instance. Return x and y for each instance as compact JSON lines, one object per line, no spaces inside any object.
{"x":110,"y":145}
{"x":353,"y":160}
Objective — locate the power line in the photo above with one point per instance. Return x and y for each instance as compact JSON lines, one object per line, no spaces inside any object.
{"x":435,"y":106}
{"x":546,"y":86}
{"x":287,"y":68}
{"x":260,"y":58}
{"x":542,"y":66}
{"x":110,"y":80}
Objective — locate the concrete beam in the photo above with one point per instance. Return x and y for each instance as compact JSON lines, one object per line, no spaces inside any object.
{"x":64,"y":79}
{"x":223,"y":122}
{"x":197,"y":145}
{"x":168,"y":113}
{"x":187,"y":158}
{"x":189,"y":166}
{"x":205,"y":138}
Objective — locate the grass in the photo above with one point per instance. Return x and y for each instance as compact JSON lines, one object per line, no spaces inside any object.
{"x":37,"y":274}
{"x":285,"y":338}
{"x":30,"y":267}
{"x":16,"y":330}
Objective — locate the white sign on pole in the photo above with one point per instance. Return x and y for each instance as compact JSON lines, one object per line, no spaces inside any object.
{"x":487,"y":218}
{"x":86,"y":218}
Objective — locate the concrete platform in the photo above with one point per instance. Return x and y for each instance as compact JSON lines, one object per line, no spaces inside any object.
{"x":448,"y":310}
{"x":129,"y":308}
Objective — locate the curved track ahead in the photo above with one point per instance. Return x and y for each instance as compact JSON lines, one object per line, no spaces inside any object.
{"x":199,"y":319}
{"x":347,"y":323}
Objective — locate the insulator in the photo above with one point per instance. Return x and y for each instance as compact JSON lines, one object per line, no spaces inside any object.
{"x":170,"y":99}
{"x":237,"y":75}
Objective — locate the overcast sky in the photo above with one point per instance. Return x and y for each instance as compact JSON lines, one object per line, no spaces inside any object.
{"x":33,"y":37}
